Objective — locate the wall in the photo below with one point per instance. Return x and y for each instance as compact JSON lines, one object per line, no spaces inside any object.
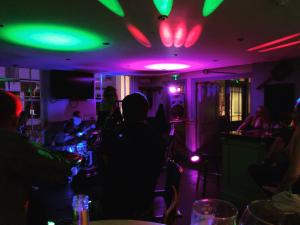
{"x":262,"y":71}
{"x":191,"y":79}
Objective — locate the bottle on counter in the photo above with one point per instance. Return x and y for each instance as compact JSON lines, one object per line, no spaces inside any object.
{"x":81,"y":210}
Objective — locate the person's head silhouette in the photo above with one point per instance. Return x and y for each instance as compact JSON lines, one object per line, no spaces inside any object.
{"x":10,"y":109}
{"x":135,"y":108}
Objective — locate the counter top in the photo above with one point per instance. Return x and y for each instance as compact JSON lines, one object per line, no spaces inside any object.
{"x":250,"y":135}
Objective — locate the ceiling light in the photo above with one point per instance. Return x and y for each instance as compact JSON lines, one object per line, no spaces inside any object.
{"x":51,"y":37}
{"x":273,"y":42}
{"x":114,"y":6}
{"x":281,"y":46}
{"x":138,"y":35}
{"x":210,"y":6}
{"x":163,"y":6}
{"x":167,"y":66}
{"x":193,"y":36}
{"x":166,"y":34}
{"x":179,"y":35}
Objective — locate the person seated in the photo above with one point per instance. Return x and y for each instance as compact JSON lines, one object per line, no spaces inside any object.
{"x":283,"y":170}
{"x":21,"y":164}
{"x":260,"y":121}
{"x":75,"y":129}
{"x":134,"y":154}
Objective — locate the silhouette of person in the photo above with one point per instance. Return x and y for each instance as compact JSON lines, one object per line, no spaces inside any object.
{"x":134,"y":156}
{"x":21,"y":163}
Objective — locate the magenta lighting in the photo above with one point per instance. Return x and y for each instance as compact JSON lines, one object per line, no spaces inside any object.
{"x":172,"y":89}
{"x":178,"y":35}
{"x":195,"y":158}
{"x":167,"y":66}
{"x":162,"y":64}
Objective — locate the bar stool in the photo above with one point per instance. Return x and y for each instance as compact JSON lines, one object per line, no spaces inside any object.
{"x":204,"y":172}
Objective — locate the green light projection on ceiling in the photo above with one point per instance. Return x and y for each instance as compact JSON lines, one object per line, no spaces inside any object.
{"x":114,"y":6}
{"x":163,"y":6}
{"x":51,"y":37}
{"x":210,"y":6}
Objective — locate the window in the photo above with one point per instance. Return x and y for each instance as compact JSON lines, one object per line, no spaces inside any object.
{"x":123,"y":86}
{"x":221,"y":110}
{"x":235,"y":99}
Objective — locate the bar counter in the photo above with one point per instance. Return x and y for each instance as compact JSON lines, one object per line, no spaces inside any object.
{"x":239,"y":150}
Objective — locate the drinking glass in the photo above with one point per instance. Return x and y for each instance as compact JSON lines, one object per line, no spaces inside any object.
{"x":213,"y":212}
{"x":263,"y":212}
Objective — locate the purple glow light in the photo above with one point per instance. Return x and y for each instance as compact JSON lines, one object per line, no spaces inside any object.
{"x":195,"y":158}
{"x":167,"y":66}
{"x":172,"y":89}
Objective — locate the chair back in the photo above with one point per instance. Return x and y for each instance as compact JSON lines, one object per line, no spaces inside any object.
{"x":170,"y":144}
{"x":171,"y":212}
{"x":173,"y":176}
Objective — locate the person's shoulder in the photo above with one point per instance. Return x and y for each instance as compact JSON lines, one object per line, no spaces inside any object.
{"x":9,"y":136}
{"x":13,"y":140}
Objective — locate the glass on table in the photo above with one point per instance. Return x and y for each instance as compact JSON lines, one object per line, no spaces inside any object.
{"x":80,"y":205}
{"x":213,"y":212}
{"x":263,"y":212}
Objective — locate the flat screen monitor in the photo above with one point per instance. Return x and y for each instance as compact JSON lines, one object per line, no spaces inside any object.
{"x":71,"y":85}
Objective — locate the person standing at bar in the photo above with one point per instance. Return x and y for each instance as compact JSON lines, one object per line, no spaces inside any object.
{"x":21,"y":163}
{"x":259,"y":121}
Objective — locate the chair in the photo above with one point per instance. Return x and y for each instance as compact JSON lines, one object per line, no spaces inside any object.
{"x":171,"y":212}
{"x":173,"y":175}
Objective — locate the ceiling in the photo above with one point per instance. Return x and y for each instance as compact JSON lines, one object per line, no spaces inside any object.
{"x":227,"y":34}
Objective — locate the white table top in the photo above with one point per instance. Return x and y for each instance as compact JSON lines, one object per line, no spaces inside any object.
{"x":123,"y":222}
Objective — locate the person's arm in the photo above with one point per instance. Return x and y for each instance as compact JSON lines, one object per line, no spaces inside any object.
{"x":276,"y":147}
{"x":37,"y":164}
{"x":246,"y":123}
{"x":293,"y":172}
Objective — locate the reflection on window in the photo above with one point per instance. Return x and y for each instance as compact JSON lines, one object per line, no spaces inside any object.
{"x":235,"y":110}
{"x":221,"y":110}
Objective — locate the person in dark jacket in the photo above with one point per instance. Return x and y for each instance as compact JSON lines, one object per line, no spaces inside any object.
{"x":21,"y":164}
{"x":134,"y":156}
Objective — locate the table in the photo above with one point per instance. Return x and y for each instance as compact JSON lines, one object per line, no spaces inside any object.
{"x":123,"y":222}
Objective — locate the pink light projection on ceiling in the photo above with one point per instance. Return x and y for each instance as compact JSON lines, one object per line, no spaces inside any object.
{"x":161,"y":65}
{"x":166,"y":34}
{"x":193,"y":36}
{"x":178,"y":35}
{"x":263,"y":47}
{"x":138,"y":35}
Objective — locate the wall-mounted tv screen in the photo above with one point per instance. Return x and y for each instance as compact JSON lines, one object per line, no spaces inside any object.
{"x":71,"y":84}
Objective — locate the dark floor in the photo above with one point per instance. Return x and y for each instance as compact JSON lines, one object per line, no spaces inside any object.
{"x":57,"y":199}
